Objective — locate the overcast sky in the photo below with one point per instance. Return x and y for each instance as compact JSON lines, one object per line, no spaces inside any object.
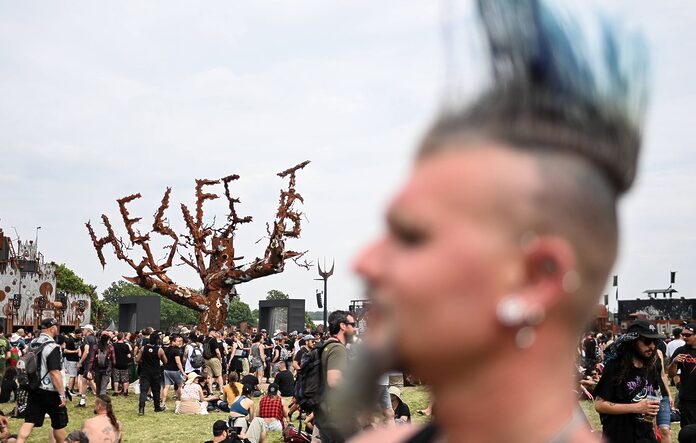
{"x":106,"y":99}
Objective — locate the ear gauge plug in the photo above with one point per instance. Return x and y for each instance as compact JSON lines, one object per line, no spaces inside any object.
{"x":513,"y":312}
{"x":510,"y":311}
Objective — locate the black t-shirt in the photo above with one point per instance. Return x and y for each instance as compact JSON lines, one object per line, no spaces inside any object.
{"x":92,"y":342}
{"x":299,"y":355}
{"x":213,"y":346}
{"x":590,"y":346}
{"x":121,"y":351}
{"x":171,"y":352}
{"x":402,"y":410}
{"x":150,"y":361}
{"x":70,"y":345}
{"x":250,"y":380}
{"x":285,"y":382}
{"x":687,"y":390}
{"x":635,"y":386}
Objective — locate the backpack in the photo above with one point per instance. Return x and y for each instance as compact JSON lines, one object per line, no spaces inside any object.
{"x":207,"y":352}
{"x":309,"y":387}
{"x":293,"y":435}
{"x":103,"y":359}
{"x":196,"y":358}
{"x":28,"y":367}
{"x":14,"y":356}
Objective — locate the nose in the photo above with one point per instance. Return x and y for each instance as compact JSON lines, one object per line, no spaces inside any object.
{"x":369,"y":264}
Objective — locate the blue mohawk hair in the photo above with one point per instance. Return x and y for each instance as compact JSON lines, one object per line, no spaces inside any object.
{"x":557,"y":86}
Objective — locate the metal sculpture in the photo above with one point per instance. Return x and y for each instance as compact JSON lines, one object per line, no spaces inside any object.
{"x":210,"y":250}
{"x":324,"y":274}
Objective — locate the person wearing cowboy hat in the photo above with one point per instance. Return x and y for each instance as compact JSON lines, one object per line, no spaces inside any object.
{"x":684,"y":359}
{"x":627,"y":396}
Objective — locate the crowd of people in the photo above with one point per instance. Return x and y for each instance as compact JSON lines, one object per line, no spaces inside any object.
{"x":201,"y":371}
{"x":629,"y":377}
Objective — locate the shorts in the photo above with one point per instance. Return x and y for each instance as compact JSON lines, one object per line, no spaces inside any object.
{"x":273,"y":426}
{"x":664,"y":415}
{"x":173,"y":378}
{"x":121,"y":376}
{"x":214,"y":367}
{"x":43,"y":402}
{"x":70,"y":368}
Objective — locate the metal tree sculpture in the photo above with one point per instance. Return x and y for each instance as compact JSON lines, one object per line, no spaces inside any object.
{"x":213,"y":255}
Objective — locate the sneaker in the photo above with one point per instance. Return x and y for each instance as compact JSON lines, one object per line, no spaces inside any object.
{"x":68,"y":394}
{"x":160,"y":409}
{"x":82,"y":403}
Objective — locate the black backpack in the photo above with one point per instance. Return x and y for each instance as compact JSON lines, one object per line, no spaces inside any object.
{"x":207,"y":352}
{"x":309,"y":387}
{"x":28,"y":370}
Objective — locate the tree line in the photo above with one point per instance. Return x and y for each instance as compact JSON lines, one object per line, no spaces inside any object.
{"x":105,"y":309}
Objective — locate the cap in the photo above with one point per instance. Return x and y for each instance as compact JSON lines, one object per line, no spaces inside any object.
{"x":184,"y":330}
{"x":246,"y":390}
{"x":219,"y":427}
{"x":645,"y":329}
{"x":166,"y":340}
{"x":272,"y":389}
{"x":278,"y":337}
{"x":308,"y":337}
{"x":690,"y":326}
{"x":393,"y":390}
{"x":90,"y":327}
{"x":48,"y":322}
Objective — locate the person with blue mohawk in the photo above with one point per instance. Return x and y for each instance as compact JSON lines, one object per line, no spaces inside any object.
{"x":500,"y":243}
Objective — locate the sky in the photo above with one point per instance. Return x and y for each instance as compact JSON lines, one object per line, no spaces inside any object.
{"x":105,"y":99}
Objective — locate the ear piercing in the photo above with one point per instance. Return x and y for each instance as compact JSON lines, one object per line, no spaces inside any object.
{"x":512,"y":311}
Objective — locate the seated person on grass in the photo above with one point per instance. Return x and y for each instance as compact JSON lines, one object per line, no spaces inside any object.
{"x":230,"y":392}
{"x":273,"y":409}
{"x":192,"y":399}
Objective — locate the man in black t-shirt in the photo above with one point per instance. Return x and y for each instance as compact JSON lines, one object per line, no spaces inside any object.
{"x":684,"y":359}
{"x":174,"y":369}
{"x":123,"y":353}
{"x":306,"y":345}
{"x":626,"y":396}
{"x":89,"y":347}
{"x":213,"y":361}
{"x":284,"y":380}
{"x":71,"y":353}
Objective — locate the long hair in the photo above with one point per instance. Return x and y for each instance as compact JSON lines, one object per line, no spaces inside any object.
{"x":625,"y":362}
{"x":106,"y":402}
{"x":232,"y":381}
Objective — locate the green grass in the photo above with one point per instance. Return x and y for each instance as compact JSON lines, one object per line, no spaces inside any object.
{"x":169,"y":427}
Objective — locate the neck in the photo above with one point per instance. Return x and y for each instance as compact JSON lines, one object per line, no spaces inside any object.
{"x":531,"y":390}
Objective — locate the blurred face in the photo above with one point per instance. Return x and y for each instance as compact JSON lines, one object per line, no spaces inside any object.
{"x":689,"y":337}
{"x":645,"y":347}
{"x":179,"y":342}
{"x":447,"y":258}
{"x":309,"y":344}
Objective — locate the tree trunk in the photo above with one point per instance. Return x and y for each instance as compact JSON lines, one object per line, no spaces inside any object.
{"x":216,"y":314}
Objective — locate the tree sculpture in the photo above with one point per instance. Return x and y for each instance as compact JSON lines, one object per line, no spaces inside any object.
{"x":209,"y":250}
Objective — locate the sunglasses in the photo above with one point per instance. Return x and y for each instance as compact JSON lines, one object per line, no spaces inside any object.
{"x":648,"y":341}
{"x":686,"y":335}
{"x":352,"y":323}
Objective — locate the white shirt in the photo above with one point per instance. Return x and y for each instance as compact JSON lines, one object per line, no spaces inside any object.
{"x":673,"y":345}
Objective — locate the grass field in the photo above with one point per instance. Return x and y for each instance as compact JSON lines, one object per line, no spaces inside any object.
{"x":169,"y":427}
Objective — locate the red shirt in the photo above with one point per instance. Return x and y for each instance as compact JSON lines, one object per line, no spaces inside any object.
{"x":271,"y":406}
